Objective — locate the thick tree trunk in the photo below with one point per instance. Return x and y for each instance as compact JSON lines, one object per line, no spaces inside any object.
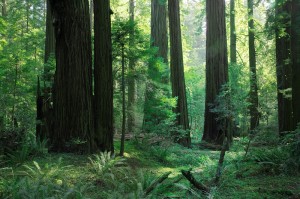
{"x":73,"y":77}
{"x":216,"y":68}
{"x":131,"y":80}
{"x":283,"y":67}
{"x":103,"y":76}
{"x":177,"y":71}
{"x":253,"y":95}
{"x":295,"y":37}
{"x":4,"y":12}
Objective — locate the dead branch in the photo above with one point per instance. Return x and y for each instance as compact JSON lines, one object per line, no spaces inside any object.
{"x":194,"y":182}
{"x":221,"y":160}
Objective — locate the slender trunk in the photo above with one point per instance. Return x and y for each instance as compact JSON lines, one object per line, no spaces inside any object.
{"x":232,"y":33}
{"x":27,"y":15}
{"x":131,"y":80}
{"x":50,"y":37}
{"x":295,"y":37}
{"x":39,"y":112}
{"x":253,"y":95}
{"x":177,"y":72}
{"x":73,"y":77}
{"x":283,"y":67}
{"x":13,"y":117}
{"x":47,"y":120}
{"x":123,"y":104}
{"x":4,"y":12}
{"x":103,"y":81}
{"x":91,"y":14}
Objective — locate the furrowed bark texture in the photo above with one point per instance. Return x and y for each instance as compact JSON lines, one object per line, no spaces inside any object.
{"x":159,"y":32}
{"x":283,"y":66}
{"x":103,"y":76}
{"x":295,"y":37}
{"x":216,"y":67}
{"x":73,"y":77}
{"x":177,"y":70}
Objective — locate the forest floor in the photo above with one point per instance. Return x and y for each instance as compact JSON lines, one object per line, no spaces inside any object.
{"x":260,"y":174}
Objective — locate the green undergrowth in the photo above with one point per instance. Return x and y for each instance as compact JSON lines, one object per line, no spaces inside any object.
{"x":263,"y":173}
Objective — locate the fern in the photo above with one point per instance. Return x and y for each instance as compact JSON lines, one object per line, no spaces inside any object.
{"x":104,"y":162}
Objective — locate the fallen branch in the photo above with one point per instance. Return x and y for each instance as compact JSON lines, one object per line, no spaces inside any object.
{"x":194,"y":182}
{"x":155,"y":183}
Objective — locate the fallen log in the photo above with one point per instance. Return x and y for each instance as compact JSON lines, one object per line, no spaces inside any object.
{"x":155,"y":183}
{"x":189,"y":176}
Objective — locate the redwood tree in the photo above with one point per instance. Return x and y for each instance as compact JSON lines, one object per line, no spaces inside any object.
{"x":103,"y":76}
{"x":159,"y":33}
{"x":295,"y":37}
{"x":131,"y":80}
{"x":216,"y":68}
{"x":283,"y":65}
{"x":44,"y":110}
{"x":177,"y":71}
{"x":253,"y":95}
{"x":157,"y":79}
{"x":73,"y":118}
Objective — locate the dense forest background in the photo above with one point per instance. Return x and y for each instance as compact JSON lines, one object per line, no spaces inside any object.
{"x":149,"y":99}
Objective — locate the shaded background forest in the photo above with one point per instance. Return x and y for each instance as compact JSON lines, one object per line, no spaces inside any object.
{"x":22,"y":60}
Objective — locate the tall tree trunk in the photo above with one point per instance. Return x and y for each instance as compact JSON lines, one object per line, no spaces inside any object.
{"x":91,"y":14}
{"x":103,"y":76}
{"x":253,"y":95}
{"x":27,"y":15}
{"x":122,"y":148}
{"x":39,"y":112}
{"x":159,"y":39}
{"x":4,"y":12}
{"x":283,"y":67}
{"x":295,"y":37}
{"x":177,"y":71}
{"x":159,"y":32}
{"x":216,"y":69}
{"x":131,"y":80}
{"x":232,"y":33}
{"x":73,"y":78}
{"x":47,"y":115}
{"x":50,"y":37}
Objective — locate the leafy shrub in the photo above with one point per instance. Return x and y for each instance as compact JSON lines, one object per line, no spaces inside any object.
{"x":11,"y":140}
{"x":271,"y":160}
{"x":292,"y":141}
